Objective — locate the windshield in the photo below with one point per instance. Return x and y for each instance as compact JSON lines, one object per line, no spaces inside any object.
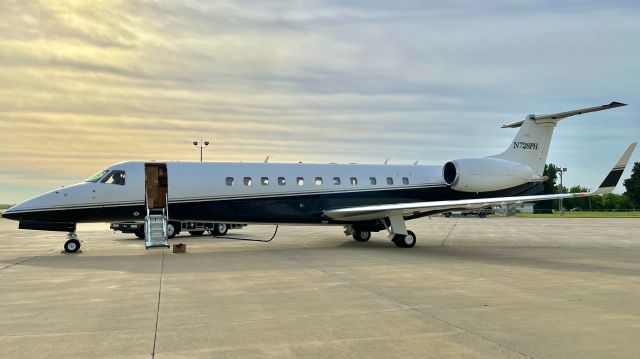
{"x":96,"y":176}
{"x":115,"y":177}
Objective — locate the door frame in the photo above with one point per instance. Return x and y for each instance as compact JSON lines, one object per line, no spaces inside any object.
{"x":156,"y":185}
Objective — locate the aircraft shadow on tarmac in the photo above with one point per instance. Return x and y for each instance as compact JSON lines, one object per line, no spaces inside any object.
{"x":239,"y":258}
{"x":511,"y":256}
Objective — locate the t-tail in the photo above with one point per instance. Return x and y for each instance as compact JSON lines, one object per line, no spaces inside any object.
{"x":531,"y":145}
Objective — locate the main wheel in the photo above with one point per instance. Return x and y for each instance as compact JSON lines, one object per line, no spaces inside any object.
{"x":403,"y":241}
{"x":447,"y":214}
{"x":139,"y":234}
{"x":482,"y":214}
{"x":361,"y":236}
{"x":71,"y":246}
{"x":196,"y":233}
{"x":171,"y":230}
{"x":220,"y":229}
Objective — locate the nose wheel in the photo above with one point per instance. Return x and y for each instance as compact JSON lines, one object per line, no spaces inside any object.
{"x":72,"y":245}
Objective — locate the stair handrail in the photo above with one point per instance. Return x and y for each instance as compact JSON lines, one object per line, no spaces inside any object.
{"x":166,"y":202}
{"x":146,"y":202}
{"x":147,"y":222}
{"x":164,"y":224}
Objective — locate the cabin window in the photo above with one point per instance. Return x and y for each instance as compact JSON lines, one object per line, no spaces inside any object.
{"x":373,"y":181}
{"x":282,"y":181}
{"x":405,"y":180}
{"x":96,"y":177}
{"x":247,"y":181}
{"x":300,"y":181}
{"x":389,"y":181}
{"x":114,"y":177}
{"x":318,"y":181}
{"x":230,"y":181}
{"x":336,"y":181}
{"x":264,"y":181}
{"x":354,"y":181}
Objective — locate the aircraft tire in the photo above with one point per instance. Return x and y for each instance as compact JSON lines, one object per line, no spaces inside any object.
{"x":482,"y":215}
{"x":403,"y":241}
{"x":361,"y":236}
{"x":447,"y":214}
{"x":220,"y":229}
{"x":171,"y":230}
{"x":139,"y":234}
{"x":196,"y":233}
{"x":71,"y":246}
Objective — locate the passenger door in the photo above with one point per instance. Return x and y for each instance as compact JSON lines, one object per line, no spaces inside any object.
{"x":156,"y":185}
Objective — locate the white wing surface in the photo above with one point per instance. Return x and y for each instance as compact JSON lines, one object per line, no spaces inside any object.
{"x":363,"y":213}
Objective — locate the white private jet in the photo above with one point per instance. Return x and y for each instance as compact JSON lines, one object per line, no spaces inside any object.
{"x":363,"y":198}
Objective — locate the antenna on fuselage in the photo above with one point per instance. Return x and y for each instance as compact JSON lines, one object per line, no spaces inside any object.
{"x":416,"y":162}
{"x":386,"y":161}
{"x":266,"y":159}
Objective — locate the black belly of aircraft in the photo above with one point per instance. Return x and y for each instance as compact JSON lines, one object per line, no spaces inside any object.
{"x":299,"y":209}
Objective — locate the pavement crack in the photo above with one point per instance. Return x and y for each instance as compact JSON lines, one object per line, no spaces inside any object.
{"x":155,"y":332}
{"x":26,"y":260}
{"x":413,"y":309}
{"x":476,"y":334}
{"x":15,"y":264}
{"x":451,"y":230}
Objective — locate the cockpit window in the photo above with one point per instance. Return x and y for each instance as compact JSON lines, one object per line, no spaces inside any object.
{"x":96,"y":177}
{"x":115,"y":177}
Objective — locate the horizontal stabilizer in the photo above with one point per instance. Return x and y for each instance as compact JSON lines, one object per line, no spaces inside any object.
{"x":560,"y":115}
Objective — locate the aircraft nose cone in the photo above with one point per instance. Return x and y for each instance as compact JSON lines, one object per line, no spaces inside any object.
{"x":8,"y":215}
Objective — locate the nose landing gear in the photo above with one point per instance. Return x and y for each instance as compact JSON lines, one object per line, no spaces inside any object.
{"x":72,"y":245}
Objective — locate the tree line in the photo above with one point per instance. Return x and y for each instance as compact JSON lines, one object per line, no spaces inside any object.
{"x":629,"y":200}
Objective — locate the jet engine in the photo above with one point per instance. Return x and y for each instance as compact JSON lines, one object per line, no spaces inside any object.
{"x":485,"y":174}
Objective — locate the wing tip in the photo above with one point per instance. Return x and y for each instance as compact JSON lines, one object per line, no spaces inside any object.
{"x":614,"y":104}
{"x":613,"y":178}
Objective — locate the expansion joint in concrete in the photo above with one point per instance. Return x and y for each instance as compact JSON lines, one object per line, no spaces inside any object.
{"x":155,"y":333}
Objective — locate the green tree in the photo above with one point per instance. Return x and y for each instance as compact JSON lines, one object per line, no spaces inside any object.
{"x":632,"y":184}
{"x":551,"y":172}
{"x":610,"y":201}
{"x":615,"y":201}
{"x":582,"y":202}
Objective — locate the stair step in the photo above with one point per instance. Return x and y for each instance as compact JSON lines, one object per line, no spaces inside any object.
{"x":155,"y":234}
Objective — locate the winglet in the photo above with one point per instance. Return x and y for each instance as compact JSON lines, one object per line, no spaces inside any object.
{"x":613,"y":177}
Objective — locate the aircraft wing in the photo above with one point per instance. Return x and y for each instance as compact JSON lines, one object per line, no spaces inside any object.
{"x":364,"y":213}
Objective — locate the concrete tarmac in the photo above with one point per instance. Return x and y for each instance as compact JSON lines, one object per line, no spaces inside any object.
{"x":471,"y":288}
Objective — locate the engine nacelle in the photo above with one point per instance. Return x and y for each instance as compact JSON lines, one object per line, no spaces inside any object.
{"x":485,"y":174}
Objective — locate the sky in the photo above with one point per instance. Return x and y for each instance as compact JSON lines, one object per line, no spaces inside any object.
{"x":85,"y":84}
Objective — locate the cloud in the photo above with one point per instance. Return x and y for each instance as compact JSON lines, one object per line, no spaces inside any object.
{"x":86,"y":84}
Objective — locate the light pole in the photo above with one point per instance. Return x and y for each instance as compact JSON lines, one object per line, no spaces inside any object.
{"x":561,"y":171}
{"x":202,"y":144}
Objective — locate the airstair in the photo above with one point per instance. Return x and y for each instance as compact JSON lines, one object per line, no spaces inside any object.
{"x":155,"y":228}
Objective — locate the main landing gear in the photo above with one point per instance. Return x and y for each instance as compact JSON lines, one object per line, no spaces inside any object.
{"x":398,"y":233}
{"x":220,"y":229}
{"x":361,"y":235}
{"x":72,"y":245}
{"x":405,"y":241}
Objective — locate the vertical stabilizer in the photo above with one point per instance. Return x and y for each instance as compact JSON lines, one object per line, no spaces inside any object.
{"x":531,"y":145}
